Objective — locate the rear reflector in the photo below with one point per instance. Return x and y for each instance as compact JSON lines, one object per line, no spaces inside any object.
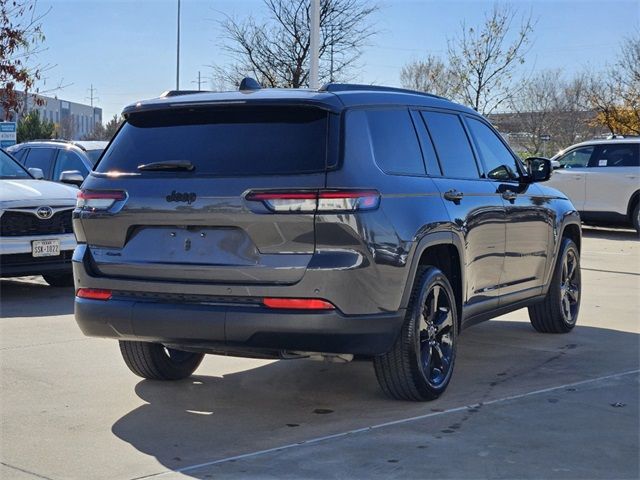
{"x":98,"y":200}
{"x":94,"y":293}
{"x":298,"y":303}
{"x":317,"y":201}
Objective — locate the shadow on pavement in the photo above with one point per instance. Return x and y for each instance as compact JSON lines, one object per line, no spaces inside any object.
{"x":609,"y":233}
{"x":208,"y":418}
{"x":31,"y":299}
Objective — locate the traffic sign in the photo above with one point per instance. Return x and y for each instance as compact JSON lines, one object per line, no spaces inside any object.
{"x":7,"y":134}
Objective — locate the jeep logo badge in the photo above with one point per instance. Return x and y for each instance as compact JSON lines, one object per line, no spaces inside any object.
{"x":44,"y":212}
{"x":188,"y":197}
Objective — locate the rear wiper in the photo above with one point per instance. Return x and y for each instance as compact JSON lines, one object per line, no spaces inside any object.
{"x":168,"y":165}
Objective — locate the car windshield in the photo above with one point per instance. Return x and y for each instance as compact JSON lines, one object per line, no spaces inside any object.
{"x":10,"y":169}
{"x":94,"y":155}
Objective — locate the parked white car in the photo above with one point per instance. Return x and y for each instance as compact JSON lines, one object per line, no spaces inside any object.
{"x":602,"y":179}
{"x":35,"y":224}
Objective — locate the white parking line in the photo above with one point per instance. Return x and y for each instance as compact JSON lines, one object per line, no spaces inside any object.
{"x":382,"y":425}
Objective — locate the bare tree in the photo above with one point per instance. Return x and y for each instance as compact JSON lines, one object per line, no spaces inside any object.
{"x":430,"y":75}
{"x":22,"y":35}
{"x":535,"y":109}
{"x":486,"y":58}
{"x":276,"y":51}
{"x":615,"y":92}
{"x":548,"y":105}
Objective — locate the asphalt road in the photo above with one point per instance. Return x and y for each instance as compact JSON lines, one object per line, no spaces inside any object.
{"x":521,"y":404}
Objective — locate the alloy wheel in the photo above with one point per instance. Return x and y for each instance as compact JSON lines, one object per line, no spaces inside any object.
{"x":436,"y":335}
{"x":570,"y":287}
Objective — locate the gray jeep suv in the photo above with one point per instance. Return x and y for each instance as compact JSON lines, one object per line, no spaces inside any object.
{"x":350,"y":220}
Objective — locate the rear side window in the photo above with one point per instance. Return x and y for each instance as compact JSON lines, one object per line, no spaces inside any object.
{"x":394,"y":141}
{"x":452,"y":145}
{"x":41,"y":158}
{"x":240,"y":141}
{"x":616,"y":155}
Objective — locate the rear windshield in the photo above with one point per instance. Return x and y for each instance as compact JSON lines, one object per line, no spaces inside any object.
{"x":231,"y":142}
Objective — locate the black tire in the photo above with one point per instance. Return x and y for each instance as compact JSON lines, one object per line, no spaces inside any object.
{"x":59,"y":279}
{"x":635,"y":217}
{"x":420,"y":364}
{"x":558,"y":312}
{"x":157,"y":362}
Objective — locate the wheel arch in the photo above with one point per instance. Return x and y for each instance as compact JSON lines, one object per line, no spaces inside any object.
{"x":441,"y":250}
{"x":633,"y":201}
{"x":574,"y":232}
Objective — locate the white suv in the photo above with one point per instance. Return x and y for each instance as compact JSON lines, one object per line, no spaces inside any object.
{"x":602,"y":179}
{"x":36,"y":231}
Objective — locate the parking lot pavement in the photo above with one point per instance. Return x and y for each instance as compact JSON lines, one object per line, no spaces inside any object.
{"x":521,"y":404}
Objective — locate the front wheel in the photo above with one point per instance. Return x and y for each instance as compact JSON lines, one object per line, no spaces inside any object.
{"x":635,"y":217}
{"x":420,"y":364}
{"x":157,"y":362}
{"x":558,"y":312}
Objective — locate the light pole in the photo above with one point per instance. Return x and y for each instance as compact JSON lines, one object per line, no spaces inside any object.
{"x":314,"y":19}
{"x":178,"y":51}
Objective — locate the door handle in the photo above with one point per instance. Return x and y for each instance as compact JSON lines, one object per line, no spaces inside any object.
{"x":453,"y":196}
{"x":509,"y":195}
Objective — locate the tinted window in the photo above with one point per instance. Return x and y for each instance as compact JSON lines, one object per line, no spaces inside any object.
{"x":41,"y":158}
{"x":68,"y":160}
{"x":19,"y":154}
{"x":93,"y":155}
{"x":616,"y":155}
{"x":241,"y":141}
{"x":10,"y":168}
{"x":428,"y":152}
{"x":394,"y":141}
{"x":499,"y":163}
{"x":452,"y":145}
{"x":578,"y":158}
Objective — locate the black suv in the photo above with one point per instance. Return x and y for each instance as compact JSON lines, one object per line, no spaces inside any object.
{"x":350,"y":220}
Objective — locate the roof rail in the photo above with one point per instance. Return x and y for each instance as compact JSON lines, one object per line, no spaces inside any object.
{"x":57,"y":140}
{"x":176,"y":93}
{"x":349,"y":87}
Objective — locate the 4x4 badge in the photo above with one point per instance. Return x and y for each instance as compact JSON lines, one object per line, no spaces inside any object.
{"x":188,"y":197}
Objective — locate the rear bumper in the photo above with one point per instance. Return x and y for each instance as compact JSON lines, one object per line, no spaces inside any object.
{"x":236,"y":326}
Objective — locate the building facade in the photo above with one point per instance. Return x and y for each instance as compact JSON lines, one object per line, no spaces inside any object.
{"x":73,"y":120}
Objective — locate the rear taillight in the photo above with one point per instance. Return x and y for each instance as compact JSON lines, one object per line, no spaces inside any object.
{"x":284,"y":202}
{"x":340,"y":201}
{"x":298,"y":303}
{"x":99,"y":199}
{"x":317,"y":200}
{"x":94,"y":293}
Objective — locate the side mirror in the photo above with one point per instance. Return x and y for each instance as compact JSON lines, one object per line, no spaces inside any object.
{"x":36,"y":173}
{"x":73,"y":177}
{"x":539,"y":169}
{"x":555,"y":165}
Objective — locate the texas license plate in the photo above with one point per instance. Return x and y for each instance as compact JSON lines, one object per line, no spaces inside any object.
{"x":45,"y":248}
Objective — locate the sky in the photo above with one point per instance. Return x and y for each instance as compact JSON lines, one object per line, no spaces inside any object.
{"x":126,"y":49}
